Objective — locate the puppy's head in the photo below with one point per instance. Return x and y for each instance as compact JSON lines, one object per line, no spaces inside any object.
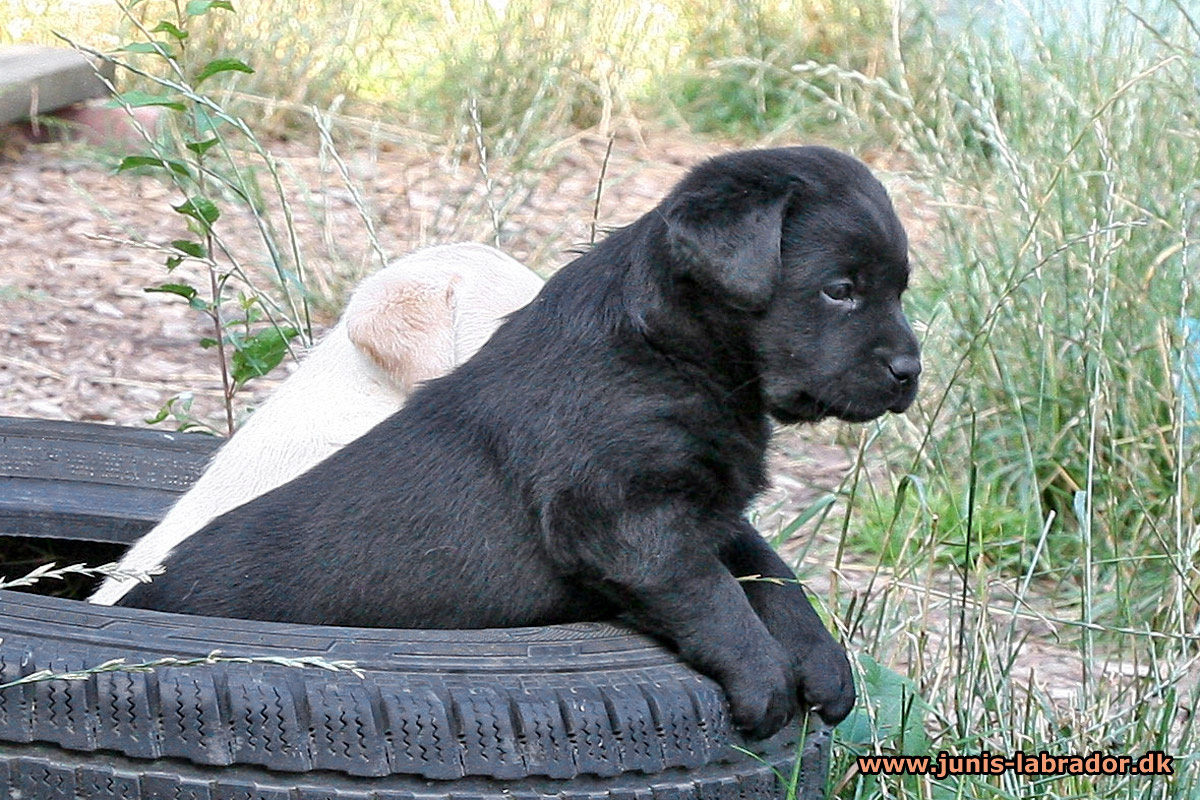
{"x":403,"y":322}
{"x":804,"y":241}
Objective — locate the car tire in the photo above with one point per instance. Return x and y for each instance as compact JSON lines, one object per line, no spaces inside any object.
{"x":268,"y":710}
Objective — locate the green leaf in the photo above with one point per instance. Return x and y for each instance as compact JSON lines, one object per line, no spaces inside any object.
{"x":205,"y":122}
{"x":208,"y":342}
{"x":172,"y":262}
{"x":196,"y":8}
{"x":193,"y":249}
{"x":183,"y":290}
{"x":133,"y":162}
{"x":892,"y":710}
{"x":137,"y":99}
{"x":219,"y":65}
{"x":260,"y":353}
{"x":156,"y":48}
{"x":171,"y":29}
{"x":200,"y":148}
{"x":201,"y":209}
{"x":250,"y":304}
{"x":902,"y":491}
{"x":818,"y":505}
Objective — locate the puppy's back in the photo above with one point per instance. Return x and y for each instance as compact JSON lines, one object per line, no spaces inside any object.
{"x":321,"y":550}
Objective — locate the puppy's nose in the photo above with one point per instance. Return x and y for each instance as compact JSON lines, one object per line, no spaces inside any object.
{"x":905,"y":368}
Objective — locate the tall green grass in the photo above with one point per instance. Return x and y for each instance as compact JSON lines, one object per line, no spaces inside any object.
{"x":707,"y":65}
{"x":1054,"y":299}
{"x":1047,"y":482}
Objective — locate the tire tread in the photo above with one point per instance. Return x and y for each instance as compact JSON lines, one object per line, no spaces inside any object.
{"x":587,"y":711}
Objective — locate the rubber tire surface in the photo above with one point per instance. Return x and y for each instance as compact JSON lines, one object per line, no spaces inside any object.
{"x":588,"y":710}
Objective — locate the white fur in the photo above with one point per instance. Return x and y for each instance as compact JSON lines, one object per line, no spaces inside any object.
{"x":412,"y":321}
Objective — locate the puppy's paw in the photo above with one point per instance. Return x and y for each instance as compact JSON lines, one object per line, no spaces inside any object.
{"x":762,"y":697}
{"x":826,"y":682}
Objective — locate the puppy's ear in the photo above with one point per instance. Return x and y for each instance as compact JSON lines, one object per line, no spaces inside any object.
{"x":730,"y":245}
{"x":405,"y":324}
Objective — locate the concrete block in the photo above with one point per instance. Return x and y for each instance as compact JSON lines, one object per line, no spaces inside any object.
{"x":43,"y":79}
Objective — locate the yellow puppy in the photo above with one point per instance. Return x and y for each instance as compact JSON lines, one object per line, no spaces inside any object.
{"x":414,"y":320}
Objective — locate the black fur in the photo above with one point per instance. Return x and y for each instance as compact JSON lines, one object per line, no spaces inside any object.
{"x":596,"y":458}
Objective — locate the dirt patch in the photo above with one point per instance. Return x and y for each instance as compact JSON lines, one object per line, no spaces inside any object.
{"x":80,"y":339}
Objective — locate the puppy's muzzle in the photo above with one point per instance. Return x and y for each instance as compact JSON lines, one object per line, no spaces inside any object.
{"x":904,"y":371}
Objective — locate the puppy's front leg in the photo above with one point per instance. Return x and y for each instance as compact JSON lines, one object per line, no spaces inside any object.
{"x":705,"y":613}
{"x":820,"y":663}
{"x":673,"y":585}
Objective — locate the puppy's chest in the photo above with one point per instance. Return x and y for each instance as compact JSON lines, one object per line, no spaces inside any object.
{"x":743,"y":480}
{"x":727,"y":465}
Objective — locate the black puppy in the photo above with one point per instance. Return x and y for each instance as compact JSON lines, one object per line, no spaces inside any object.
{"x":596,"y":458}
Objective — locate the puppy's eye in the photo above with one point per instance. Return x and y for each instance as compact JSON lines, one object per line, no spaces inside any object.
{"x":839,"y":291}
